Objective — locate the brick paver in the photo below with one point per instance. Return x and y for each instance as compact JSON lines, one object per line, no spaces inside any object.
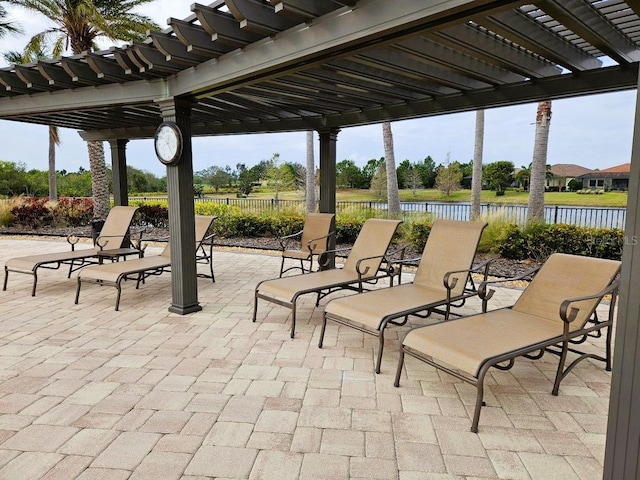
{"x":89,"y":393}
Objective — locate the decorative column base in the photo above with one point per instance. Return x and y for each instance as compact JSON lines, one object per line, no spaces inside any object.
{"x":184,"y":310}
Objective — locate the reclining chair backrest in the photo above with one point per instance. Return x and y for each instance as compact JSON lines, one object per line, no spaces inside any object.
{"x":373,"y":240}
{"x":451,"y":246}
{"x":203,"y":223}
{"x":562,"y":277}
{"x":316,"y":225}
{"x":116,"y":226}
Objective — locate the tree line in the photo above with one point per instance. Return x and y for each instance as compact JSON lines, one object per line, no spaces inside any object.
{"x":16,"y":179}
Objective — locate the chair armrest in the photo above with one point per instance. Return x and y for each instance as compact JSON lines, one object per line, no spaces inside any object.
{"x":323,"y":258}
{"x":569,"y":315}
{"x":72,"y":239}
{"x":311,"y":244}
{"x":450,"y":283}
{"x":282,"y":240}
{"x":366,"y":270}
{"x":101,"y":244}
{"x":486,"y":294}
{"x":208,"y":238}
{"x":138,"y":232}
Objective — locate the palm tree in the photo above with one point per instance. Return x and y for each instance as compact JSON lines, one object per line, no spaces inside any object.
{"x":523,"y":176}
{"x":6,"y":25}
{"x":54,"y":135}
{"x":310,"y":176}
{"x":476,"y":176}
{"x":393,"y":196}
{"x":54,"y":141}
{"x":77,"y":24}
{"x":535,"y":209}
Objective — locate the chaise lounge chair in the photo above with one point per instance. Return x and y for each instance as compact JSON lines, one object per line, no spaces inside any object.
{"x":363,"y":265}
{"x":553,"y":314}
{"x":113,"y":274}
{"x":314,"y":239}
{"x":442,"y":279}
{"x":108,"y":245}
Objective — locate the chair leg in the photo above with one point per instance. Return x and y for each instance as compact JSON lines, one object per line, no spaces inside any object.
{"x":608,"y":350}
{"x":380,"y":349}
{"x":324,"y":327}
{"x":118,"y":286}
{"x":35,"y":284}
{"x":478,"y":407}
{"x":281,"y":267}
{"x":255,"y":306}
{"x":293,"y":319}
{"x":78,"y":291}
{"x":6,"y":277}
{"x":399,"y":370}
{"x":560,"y":371}
{"x":479,"y":397}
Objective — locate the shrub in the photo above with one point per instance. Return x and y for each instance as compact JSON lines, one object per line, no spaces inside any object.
{"x":154,"y":215}
{"x":285,"y":223}
{"x":348,"y":227}
{"x":32,"y":212}
{"x":498,"y":224}
{"x":72,"y":212}
{"x":6,"y":217}
{"x":417,"y":233}
{"x":574,"y":185}
{"x":538,"y":241}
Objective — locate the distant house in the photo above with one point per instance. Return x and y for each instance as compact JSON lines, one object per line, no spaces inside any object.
{"x":562,"y":174}
{"x":614,"y":178}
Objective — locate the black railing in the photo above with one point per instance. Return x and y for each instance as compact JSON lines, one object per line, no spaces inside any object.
{"x":597,"y":217}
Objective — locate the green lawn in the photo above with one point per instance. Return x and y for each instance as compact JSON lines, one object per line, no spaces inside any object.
{"x":607,"y":199}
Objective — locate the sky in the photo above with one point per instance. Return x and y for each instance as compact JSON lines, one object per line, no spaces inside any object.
{"x":594,"y":131}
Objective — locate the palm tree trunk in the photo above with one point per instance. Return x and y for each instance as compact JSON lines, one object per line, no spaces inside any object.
{"x":393,"y":195}
{"x":476,"y":177}
{"x":99,"y":183}
{"x":54,"y":139}
{"x":535,"y":210}
{"x":310,"y":177}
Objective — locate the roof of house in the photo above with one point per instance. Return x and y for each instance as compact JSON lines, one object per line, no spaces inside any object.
{"x":624,"y":168}
{"x":568,"y":170}
{"x":619,"y":171}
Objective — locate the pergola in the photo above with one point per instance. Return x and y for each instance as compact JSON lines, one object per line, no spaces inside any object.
{"x":244,"y":66}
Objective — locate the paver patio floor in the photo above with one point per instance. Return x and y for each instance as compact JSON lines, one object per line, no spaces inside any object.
{"x":142,"y":394}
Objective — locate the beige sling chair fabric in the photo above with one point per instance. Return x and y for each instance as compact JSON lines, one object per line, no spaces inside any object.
{"x":442,"y":278}
{"x":553,"y":314}
{"x":113,"y":274}
{"x":314,"y":239}
{"x":361,"y":266}
{"x":108,"y":245}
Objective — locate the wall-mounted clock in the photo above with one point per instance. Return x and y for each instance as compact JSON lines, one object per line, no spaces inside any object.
{"x":168,"y":143}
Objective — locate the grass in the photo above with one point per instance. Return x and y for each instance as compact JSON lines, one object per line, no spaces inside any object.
{"x":607,"y":199}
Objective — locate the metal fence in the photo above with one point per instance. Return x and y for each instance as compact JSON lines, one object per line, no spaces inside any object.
{"x":598,"y":217}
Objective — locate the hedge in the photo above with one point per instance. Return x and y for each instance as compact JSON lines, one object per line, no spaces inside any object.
{"x":501,"y":237}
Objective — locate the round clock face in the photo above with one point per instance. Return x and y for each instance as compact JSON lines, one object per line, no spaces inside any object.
{"x":168,"y":143}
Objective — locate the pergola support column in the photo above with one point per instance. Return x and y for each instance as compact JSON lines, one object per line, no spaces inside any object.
{"x":327,"y":203}
{"x":184,"y":286}
{"x":119,"y":171}
{"x":622,"y":452}
{"x":328,"y":139}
